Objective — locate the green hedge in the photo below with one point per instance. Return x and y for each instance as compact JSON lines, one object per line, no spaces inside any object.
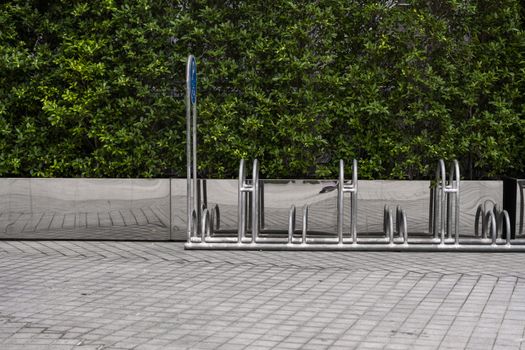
{"x":96,"y":88}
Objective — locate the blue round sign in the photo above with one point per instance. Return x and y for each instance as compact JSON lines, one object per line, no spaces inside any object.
{"x":193,"y":80}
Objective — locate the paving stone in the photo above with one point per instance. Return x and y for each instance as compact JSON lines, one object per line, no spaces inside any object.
{"x":144,"y":295}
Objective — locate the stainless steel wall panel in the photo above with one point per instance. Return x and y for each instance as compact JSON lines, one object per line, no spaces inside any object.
{"x":140,"y":208}
{"x":85,"y":209}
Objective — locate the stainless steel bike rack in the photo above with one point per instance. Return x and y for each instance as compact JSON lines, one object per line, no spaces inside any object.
{"x":444,"y":219}
{"x":495,"y":225}
{"x":443,"y":234}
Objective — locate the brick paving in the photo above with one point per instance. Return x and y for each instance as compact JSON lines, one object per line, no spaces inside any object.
{"x":150,"y":295}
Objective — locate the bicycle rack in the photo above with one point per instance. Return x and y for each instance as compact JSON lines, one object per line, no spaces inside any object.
{"x":495,"y":225}
{"x":444,"y":219}
{"x":444,"y":213}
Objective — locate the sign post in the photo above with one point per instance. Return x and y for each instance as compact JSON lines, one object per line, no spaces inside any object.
{"x":191,"y":146}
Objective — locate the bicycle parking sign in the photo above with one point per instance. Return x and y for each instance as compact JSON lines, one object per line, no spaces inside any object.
{"x":193,"y":80}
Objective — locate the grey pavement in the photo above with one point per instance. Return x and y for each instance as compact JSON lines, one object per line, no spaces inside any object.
{"x":151,"y":295}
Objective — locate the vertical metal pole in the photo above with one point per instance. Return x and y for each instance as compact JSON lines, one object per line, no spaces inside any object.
{"x":457,"y":203}
{"x":340,"y":201}
{"x":390,"y":227}
{"x":448,"y":196}
{"x":255,"y":201}
{"x":443,"y":218}
{"x":241,"y":205}
{"x":385,"y":219}
{"x":405,"y":227}
{"x":189,"y":195}
{"x":505,"y":220}
{"x":436,"y":211}
{"x":249,"y":214}
{"x":261,"y":205}
{"x":398,"y":221}
{"x":509,"y":202}
{"x":491,"y":220}
{"x":305,"y":223}
{"x":204,"y":193}
{"x":291,"y":224}
{"x":435,"y":207}
{"x":196,"y":203}
{"x":354,"y":202}
{"x":441,"y":177}
{"x":484,"y":224}
{"x":431,"y":212}
{"x":350,"y":211}
{"x":521,"y":185}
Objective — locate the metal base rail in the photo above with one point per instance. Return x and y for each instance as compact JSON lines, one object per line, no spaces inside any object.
{"x":363,"y":247}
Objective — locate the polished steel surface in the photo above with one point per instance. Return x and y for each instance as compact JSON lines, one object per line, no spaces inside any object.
{"x":139,"y":209}
{"x":84,"y":209}
{"x":321,"y":197}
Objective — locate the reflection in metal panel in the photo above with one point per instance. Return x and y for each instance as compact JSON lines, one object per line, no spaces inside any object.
{"x":114,"y":209}
{"x":140,"y":208}
{"x":321,"y":197}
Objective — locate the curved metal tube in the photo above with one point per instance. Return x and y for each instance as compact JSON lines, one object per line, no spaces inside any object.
{"x":405,"y":228}
{"x":215,"y":220}
{"x":217,"y":215}
{"x":194,"y":228}
{"x":398,"y":220}
{"x":390,"y":228}
{"x":401,"y":224}
{"x":291,"y":223}
{"x":504,"y":221}
{"x":194,"y":223}
{"x":385,"y":215}
{"x":305,"y":223}
{"x":491,"y":225}
{"x":479,"y":214}
{"x":388,"y":225}
{"x":206,"y":231}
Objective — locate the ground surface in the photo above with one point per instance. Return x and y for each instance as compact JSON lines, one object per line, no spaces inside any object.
{"x":139,"y":295}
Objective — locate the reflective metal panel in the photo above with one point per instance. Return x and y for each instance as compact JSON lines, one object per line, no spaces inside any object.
{"x":321,"y":197}
{"x":140,"y":208}
{"x":85,"y":209}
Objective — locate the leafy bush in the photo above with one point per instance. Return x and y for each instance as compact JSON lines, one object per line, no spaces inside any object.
{"x":97,"y":88}
{"x":86,"y":89}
